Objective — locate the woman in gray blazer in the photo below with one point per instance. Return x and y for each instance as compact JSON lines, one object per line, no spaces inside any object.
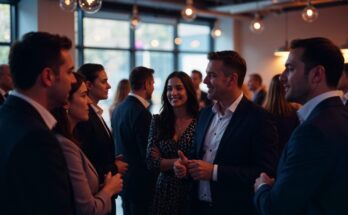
{"x":90,"y":198}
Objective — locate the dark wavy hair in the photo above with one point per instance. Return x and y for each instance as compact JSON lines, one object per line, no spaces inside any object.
{"x":63,"y":126}
{"x":167,"y":116}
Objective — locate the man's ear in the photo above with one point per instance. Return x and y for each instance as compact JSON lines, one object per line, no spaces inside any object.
{"x":233,"y":79}
{"x":47,"y":77}
{"x":317,"y":74}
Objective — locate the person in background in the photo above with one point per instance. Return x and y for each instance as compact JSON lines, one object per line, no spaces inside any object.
{"x":235,"y":140}
{"x":130,"y":126}
{"x":343,"y":85}
{"x":312,"y":172}
{"x":172,"y":130}
{"x":123,"y":88}
{"x":94,"y":135}
{"x":34,"y":177}
{"x":197,"y":77}
{"x":6,"y":82}
{"x":255,"y":85}
{"x":284,"y":112}
{"x":90,"y":197}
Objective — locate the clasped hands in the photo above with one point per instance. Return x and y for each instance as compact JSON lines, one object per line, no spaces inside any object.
{"x":197,"y":169}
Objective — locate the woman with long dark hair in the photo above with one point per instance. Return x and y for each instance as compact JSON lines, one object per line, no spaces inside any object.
{"x":90,"y":198}
{"x":172,"y":130}
{"x":283,"y":111}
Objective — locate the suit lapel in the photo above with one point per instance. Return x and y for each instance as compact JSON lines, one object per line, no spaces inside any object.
{"x":236,"y":120}
{"x":202,"y":129}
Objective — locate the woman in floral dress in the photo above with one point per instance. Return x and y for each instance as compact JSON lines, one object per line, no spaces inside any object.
{"x":172,"y":130}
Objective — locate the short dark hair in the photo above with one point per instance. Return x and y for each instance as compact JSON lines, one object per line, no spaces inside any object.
{"x":167,"y":116}
{"x":233,"y":61}
{"x":138,"y":76}
{"x":36,"y":51}
{"x":257,"y":77}
{"x":90,"y":71}
{"x":198,"y":73}
{"x":345,"y":70}
{"x":321,"y":51}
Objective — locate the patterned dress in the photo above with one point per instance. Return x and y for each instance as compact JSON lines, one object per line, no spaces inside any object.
{"x":172,"y":195}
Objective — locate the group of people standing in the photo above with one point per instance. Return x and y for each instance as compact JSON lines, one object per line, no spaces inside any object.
{"x":58,"y":156}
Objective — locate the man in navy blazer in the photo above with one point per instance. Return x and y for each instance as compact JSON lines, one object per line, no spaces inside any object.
{"x":34,"y":177}
{"x":313,"y":170}
{"x":235,"y":141}
{"x":130,"y":126}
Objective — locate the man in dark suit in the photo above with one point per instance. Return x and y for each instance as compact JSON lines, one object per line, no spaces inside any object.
{"x":255,"y":85}
{"x":33,"y":173}
{"x":130,"y":126}
{"x":197,"y":77}
{"x":343,"y":85}
{"x":94,"y":135}
{"x":312,"y":173}
{"x":235,"y":141}
{"x":6,"y":83}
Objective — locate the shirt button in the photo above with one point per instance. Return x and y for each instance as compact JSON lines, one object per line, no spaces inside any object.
{"x":210,"y":150}
{"x":215,"y":134}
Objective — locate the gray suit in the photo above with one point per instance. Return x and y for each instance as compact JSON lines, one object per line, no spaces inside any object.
{"x":89,"y":199}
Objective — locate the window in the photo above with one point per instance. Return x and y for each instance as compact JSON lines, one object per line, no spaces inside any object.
{"x":5,"y":32}
{"x":106,"y":38}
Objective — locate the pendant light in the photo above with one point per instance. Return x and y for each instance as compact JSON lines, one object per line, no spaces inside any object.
{"x":309,"y":13}
{"x":189,"y":12}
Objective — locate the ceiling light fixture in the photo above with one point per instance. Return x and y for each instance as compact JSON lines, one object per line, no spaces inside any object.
{"x":309,"y":13}
{"x":90,"y":6}
{"x":189,"y":12}
{"x":257,"y":25}
{"x":135,"y":20}
{"x":67,"y":5}
{"x":216,"y":32}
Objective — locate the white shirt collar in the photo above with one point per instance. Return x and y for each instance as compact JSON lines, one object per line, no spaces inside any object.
{"x":141,"y":99}
{"x":97,"y":109}
{"x":345,"y":97}
{"x":48,"y":118}
{"x":232,"y":108}
{"x":304,"y":112}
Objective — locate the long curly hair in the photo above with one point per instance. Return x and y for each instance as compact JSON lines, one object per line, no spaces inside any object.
{"x":167,"y":116}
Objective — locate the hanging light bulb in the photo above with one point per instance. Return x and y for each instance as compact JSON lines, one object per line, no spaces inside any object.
{"x":310,"y":13}
{"x":257,"y":25}
{"x":67,"y":5}
{"x":189,"y":12}
{"x":90,"y":6}
{"x":216,"y":32}
{"x":135,"y":20}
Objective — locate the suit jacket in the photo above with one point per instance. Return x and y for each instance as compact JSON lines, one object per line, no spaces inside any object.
{"x":33,"y":173}
{"x":97,"y":144}
{"x":247,"y":148}
{"x":89,"y":198}
{"x":312,"y":174}
{"x":130,"y":126}
{"x":259,"y":97}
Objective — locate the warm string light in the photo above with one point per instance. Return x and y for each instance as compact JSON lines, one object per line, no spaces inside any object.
{"x":135,"y":20}
{"x":257,"y":25}
{"x":216,"y":32}
{"x":189,"y":12}
{"x":90,"y":6}
{"x":67,"y":5}
{"x":309,"y":13}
